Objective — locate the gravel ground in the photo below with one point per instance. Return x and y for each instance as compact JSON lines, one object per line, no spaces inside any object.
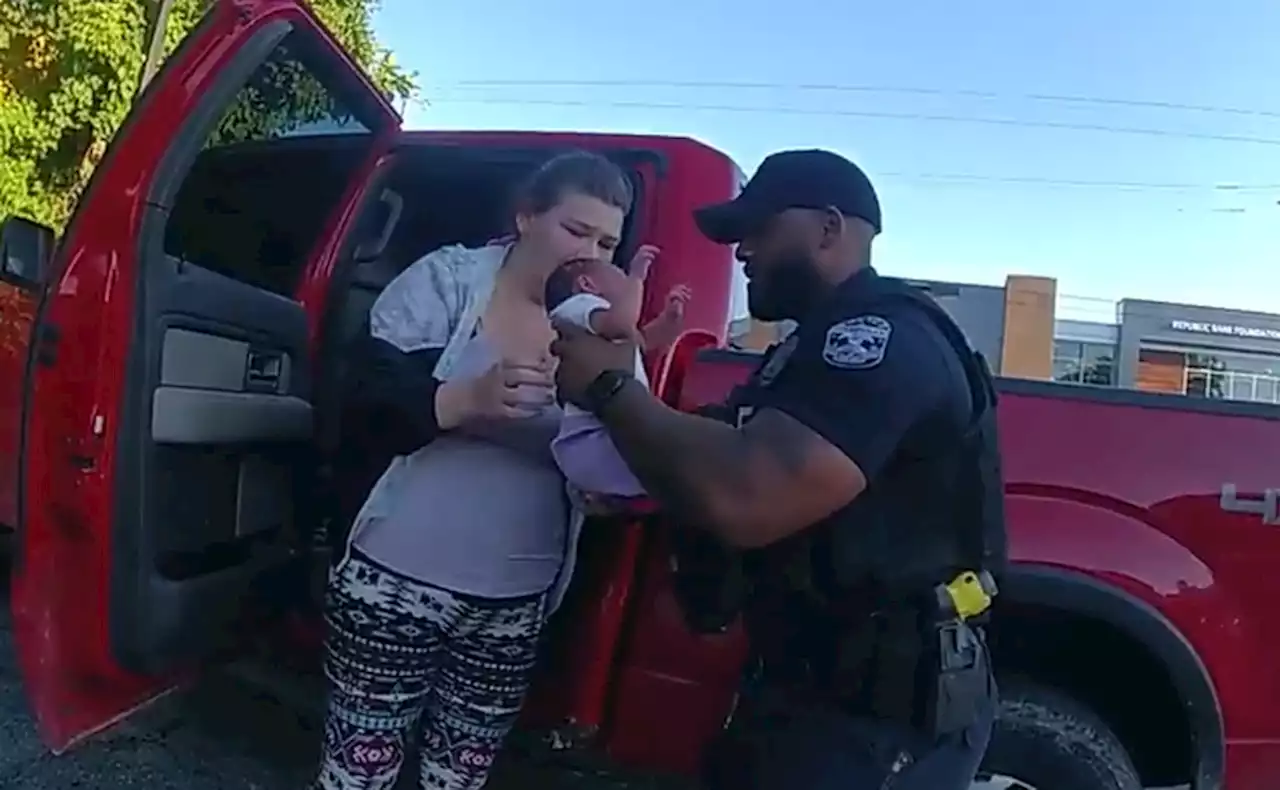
{"x":221,"y":735}
{"x":226,"y":733}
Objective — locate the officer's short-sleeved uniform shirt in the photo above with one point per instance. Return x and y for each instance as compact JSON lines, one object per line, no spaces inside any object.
{"x":873,"y":376}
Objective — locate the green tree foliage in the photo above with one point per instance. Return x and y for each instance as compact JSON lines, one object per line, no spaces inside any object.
{"x":69,"y":70}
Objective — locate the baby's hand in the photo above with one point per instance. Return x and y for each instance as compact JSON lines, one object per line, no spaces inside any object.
{"x":662,"y":331}
{"x":642,"y":261}
{"x":677,"y":300}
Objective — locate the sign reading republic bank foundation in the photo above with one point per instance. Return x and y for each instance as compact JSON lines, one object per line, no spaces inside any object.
{"x":1200,"y":351}
{"x":1232,"y":330}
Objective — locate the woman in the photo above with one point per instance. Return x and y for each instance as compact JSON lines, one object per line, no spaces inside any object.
{"x":465,"y":544}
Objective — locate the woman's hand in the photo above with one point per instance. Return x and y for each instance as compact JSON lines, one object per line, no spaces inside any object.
{"x":509,"y":390}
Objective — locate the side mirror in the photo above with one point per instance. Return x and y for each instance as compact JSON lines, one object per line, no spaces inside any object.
{"x":26,"y":250}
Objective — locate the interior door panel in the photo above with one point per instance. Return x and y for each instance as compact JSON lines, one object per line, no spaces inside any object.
{"x":217,"y":422}
{"x":191,"y":416}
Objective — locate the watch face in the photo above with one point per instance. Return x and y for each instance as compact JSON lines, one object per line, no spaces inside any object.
{"x":605,"y":386}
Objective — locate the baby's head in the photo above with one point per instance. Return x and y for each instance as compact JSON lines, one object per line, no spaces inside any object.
{"x":601,"y":278}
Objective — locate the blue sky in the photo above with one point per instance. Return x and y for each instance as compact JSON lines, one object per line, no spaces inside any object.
{"x":912,"y":70}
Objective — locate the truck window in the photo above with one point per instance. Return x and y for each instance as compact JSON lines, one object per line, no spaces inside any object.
{"x":21,"y":261}
{"x":270,"y":173}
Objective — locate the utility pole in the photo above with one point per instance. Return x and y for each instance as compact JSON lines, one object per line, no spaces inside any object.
{"x":155,"y":45}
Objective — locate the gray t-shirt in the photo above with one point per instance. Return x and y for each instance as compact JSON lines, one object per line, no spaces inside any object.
{"x":474,"y":516}
{"x":481,"y":510}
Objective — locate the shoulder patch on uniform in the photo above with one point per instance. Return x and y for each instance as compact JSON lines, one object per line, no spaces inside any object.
{"x":857,"y":343}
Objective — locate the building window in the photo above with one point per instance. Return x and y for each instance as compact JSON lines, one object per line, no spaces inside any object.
{"x":1233,"y":377}
{"x":1084,"y":363}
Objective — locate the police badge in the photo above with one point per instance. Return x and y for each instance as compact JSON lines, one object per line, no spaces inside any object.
{"x":857,"y":343}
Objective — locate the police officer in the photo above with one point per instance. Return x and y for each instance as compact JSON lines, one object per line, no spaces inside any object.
{"x":856,"y":476}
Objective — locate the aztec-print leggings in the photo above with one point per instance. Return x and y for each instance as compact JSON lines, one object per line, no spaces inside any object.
{"x":414,"y":665}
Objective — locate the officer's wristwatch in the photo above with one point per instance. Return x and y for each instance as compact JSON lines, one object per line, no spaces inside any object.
{"x":604,"y":389}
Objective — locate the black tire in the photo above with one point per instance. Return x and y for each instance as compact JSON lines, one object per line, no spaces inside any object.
{"x":1045,"y":740}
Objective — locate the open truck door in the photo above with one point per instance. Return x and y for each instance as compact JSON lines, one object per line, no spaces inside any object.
{"x":169,"y":410}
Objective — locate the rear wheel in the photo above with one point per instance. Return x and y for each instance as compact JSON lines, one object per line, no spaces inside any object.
{"x":1045,"y":740}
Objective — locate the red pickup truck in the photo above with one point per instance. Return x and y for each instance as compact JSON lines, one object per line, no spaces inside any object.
{"x":171,"y":379}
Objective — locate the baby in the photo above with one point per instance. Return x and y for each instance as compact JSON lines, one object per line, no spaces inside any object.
{"x":603,"y":299}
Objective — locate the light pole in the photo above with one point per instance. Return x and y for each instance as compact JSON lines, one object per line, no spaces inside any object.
{"x":155,"y":46}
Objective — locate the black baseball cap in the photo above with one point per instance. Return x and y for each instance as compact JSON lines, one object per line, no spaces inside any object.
{"x":810,"y":178}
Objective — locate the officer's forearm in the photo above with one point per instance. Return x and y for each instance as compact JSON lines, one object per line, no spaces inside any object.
{"x":672,"y":454}
{"x":706,"y":473}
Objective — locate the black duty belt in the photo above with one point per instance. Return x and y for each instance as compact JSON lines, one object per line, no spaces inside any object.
{"x":897,"y":661}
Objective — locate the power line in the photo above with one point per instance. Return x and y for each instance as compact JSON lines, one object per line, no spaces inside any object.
{"x":834,"y":113}
{"x":891,"y":89}
{"x":1056,"y":182}
{"x":962,"y":179}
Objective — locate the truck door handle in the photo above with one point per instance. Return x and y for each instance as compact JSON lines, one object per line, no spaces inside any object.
{"x":263,"y":371}
{"x":1268,"y":506}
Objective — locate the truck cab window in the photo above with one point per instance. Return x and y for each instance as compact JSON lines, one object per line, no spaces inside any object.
{"x":270,"y":173}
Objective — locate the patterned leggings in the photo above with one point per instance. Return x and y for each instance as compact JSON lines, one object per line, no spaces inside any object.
{"x":408,"y":662}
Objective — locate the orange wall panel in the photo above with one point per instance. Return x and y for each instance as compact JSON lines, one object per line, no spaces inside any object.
{"x":1028,"y":327}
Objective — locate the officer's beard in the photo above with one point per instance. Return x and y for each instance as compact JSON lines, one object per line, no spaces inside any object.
{"x":785,"y":289}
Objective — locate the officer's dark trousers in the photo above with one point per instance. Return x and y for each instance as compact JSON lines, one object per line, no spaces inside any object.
{"x":817,"y":747}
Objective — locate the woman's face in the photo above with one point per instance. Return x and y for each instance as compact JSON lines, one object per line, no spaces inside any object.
{"x":578,"y":228}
